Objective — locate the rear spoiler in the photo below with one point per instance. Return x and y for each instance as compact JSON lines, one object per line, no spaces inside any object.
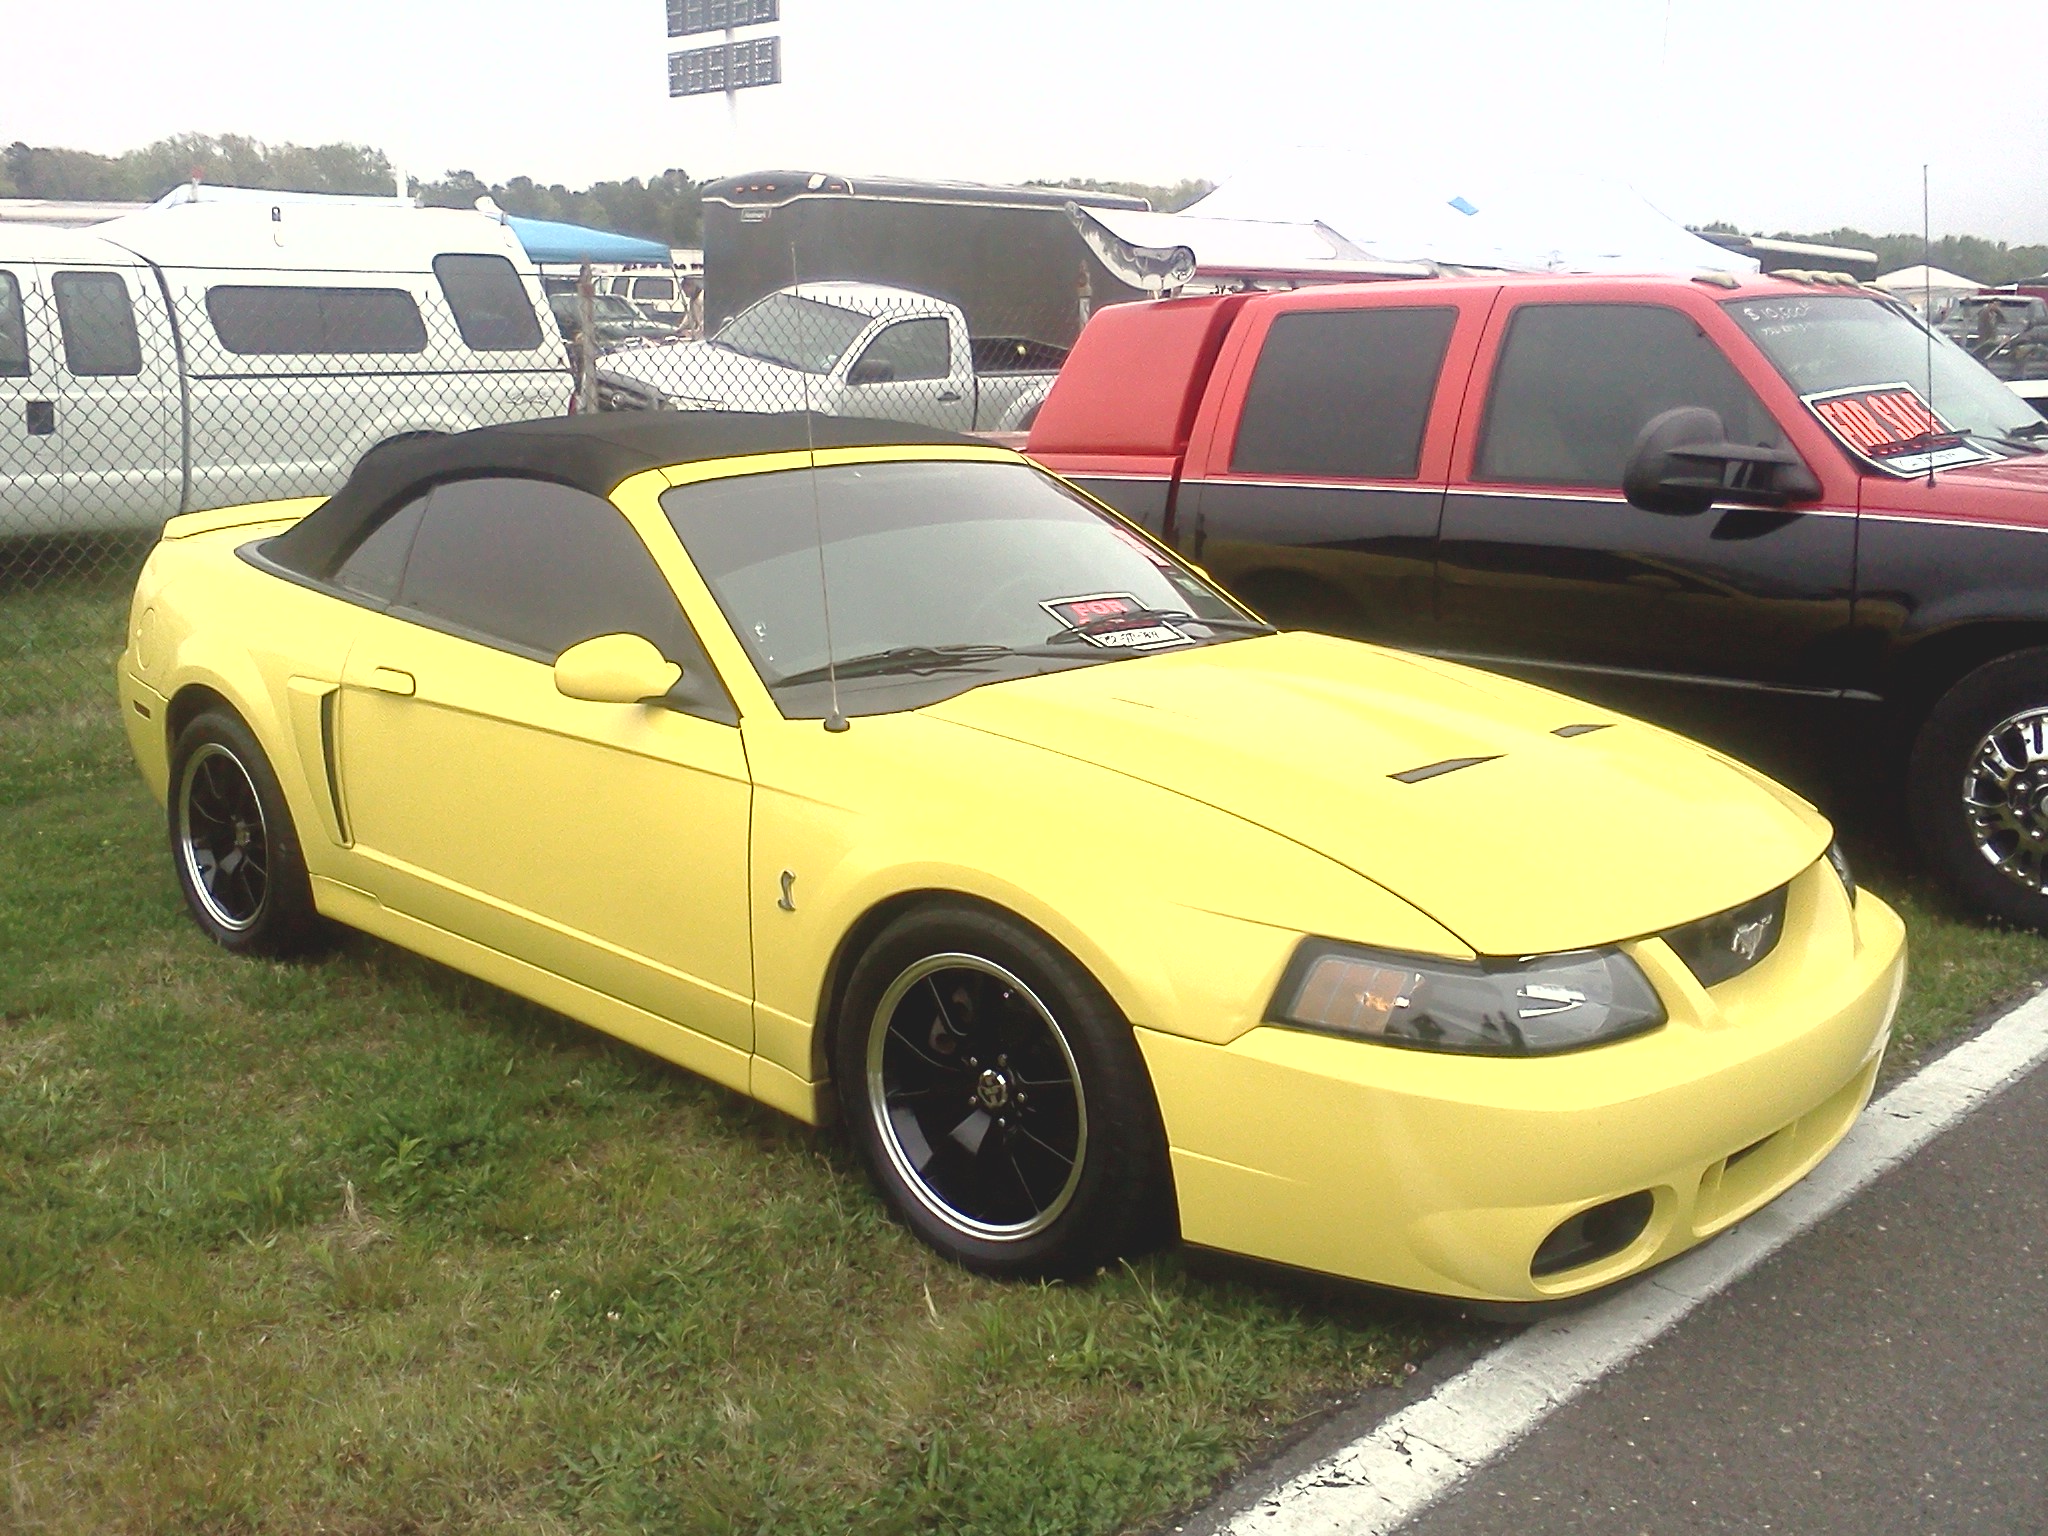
{"x":1165,"y":252}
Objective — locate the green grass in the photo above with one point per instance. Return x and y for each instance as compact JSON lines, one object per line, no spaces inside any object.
{"x":361,"y":1245}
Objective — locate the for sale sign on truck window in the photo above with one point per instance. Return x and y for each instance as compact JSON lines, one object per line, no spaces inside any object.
{"x":1893,"y":427}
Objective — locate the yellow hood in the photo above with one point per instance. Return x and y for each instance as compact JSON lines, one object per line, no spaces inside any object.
{"x":1548,"y":843}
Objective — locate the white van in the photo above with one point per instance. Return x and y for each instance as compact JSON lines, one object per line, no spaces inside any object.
{"x":201,"y":354}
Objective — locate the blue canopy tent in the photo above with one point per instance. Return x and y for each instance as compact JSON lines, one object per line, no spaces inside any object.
{"x":547,"y":242}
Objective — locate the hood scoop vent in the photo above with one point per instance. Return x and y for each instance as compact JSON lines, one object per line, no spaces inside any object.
{"x":1448,"y":765}
{"x":1581,"y":730}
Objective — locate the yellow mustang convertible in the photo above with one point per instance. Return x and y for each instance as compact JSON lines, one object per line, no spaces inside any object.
{"x":859,"y":767}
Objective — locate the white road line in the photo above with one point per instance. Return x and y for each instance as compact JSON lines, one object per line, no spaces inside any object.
{"x":1415,"y":1456}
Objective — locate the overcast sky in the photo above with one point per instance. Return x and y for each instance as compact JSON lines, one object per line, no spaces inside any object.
{"x":1771,"y":113}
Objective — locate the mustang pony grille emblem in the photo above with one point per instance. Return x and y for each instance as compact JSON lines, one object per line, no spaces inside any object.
{"x":1748,"y":938}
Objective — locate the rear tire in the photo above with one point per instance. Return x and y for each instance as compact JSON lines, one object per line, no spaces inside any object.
{"x":233,"y":844}
{"x":998,"y":1099}
{"x":1977,"y":786}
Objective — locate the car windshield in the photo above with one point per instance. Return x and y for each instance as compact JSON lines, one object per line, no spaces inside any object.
{"x":941,"y":576}
{"x":797,"y":333}
{"x":1826,"y":342}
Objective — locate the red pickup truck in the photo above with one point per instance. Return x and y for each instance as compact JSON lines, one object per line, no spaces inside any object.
{"x":1735,"y":485}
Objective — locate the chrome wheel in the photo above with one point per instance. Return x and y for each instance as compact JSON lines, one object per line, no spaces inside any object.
{"x":976,"y":1097}
{"x":222,"y":837}
{"x":2005,"y":797}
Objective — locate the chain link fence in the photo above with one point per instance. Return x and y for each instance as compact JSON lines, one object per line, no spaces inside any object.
{"x":128,"y":396}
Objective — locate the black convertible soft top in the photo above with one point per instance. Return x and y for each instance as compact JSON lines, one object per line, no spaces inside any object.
{"x":592,"y":453}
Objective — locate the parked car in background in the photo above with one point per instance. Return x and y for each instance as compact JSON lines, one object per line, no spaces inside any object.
{"x":616,"y":321}
{"x":203,"y":353}
{"x":1746,"y":486}
{"x":852,"y":349}
{"x":658,"y":296}
{"x":1980,"y":321}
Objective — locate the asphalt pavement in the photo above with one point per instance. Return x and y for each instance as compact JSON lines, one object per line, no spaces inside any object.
{"x":1887,"y":1372}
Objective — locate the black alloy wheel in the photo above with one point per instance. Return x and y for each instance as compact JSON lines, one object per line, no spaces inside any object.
{"x":998,"y":1098}
{"x":1978,"y":782}
{"x":233,"y":844}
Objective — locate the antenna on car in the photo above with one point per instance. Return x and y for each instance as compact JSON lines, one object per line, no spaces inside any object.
{"x":1926,"y":300}
{"x":834,"y":720}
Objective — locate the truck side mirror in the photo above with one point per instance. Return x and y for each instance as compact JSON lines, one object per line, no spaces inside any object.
{"x":872,"y":370}
{"x":1682,"y":463}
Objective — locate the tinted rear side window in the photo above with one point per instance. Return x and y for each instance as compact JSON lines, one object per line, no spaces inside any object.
{"x":654,"y":288}
{"x":97,"y":319}
{"x":378,"y":564}
{"x":13,"y":330}
{"x":1576,"y":383}
{"x":490,"y":303}
{"x":1343,"y":393}
{"x":535,"y":567}
{"x":295,"y":322}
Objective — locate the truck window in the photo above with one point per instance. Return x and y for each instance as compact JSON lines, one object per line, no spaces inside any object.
{"x":1343,"y":393}
{"x":909,"y":349}
{"x":1576,"y":382}
{"x":97,"y":320}
{"x":662,"y":289}
{"x":291,"y":322}
{"x":13,"y":330}
{"x":491,"y":307}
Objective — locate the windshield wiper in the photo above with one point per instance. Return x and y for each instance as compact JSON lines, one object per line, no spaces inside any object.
{"x":2027,"y":437}
{"x":1138,"y":618}
{"x":903,"y":658}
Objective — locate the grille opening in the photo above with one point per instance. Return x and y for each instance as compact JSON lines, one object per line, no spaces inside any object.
{"x":1754,"y":1147}
{"x":1593,"y":1234}
{"x":1718,"y":948}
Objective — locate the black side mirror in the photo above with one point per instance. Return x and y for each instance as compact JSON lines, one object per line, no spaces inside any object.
{"x":872,"y":370}
{"x":1682,"y":463}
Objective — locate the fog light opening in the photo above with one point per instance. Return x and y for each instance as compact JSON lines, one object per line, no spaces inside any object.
{"x":1594,"y":1234}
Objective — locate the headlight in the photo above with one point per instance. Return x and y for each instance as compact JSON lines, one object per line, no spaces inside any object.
{"x":1840,"y":861}
{"x":1493,"y":1008}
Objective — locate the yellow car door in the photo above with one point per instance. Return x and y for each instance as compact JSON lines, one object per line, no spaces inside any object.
{"x":605,"y":843}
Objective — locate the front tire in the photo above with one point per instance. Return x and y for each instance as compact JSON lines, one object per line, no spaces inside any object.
{"x":233,"y":845}
{"x":998,"y":1099}
{"x":1978,"y":785}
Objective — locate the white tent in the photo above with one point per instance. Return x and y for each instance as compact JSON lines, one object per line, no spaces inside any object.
{"x":1520,"y":217}
{"x":1924,"y":287}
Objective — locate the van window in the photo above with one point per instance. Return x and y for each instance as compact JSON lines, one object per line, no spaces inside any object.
{"x":1576,"y":383}
{"x":1343,"y":393}
{"x":13,"y":330}
{"x":293,"y":322}
{"x":97,"y":319}
{"x":491,"y":306}
{"x":654,"y":288}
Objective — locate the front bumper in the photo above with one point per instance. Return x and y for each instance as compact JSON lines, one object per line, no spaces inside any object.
{"x":1444,"y":1174}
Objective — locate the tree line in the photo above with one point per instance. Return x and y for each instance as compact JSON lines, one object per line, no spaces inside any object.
{"x":666,"y":207}
{"x":669,"y":207}
{"x":1990,"y":262}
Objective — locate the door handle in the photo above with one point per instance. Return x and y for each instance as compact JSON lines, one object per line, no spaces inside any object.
{"x":948,"y":396}
{"x":41,"y":416}
{"x":391,"y":680}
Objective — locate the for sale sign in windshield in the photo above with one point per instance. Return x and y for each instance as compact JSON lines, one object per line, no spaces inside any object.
{"x":1894,"y":428}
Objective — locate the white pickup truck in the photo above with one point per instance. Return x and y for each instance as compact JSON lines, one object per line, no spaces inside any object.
{"x":844,"y":349}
